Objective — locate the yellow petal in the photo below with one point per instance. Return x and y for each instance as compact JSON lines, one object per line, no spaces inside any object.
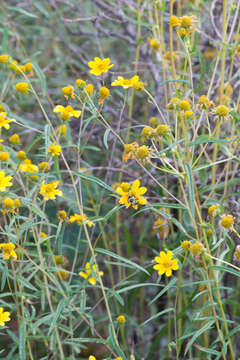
{"x":169,"y":272}
{"x":58,"y":108}
{"x":135,"y":185}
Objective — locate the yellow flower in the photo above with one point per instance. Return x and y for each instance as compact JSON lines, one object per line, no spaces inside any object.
{"x":28,"y":166}
{"x":80,"y":220}
{"x":42,"y":235}
{"x":62,"y":275}
{"x":8,"y":251}
{"x":66,"y":112}
{"x":213,"y":210}
{"x":89,"y":89}
{"x":142,"y":152}
{"x":103,"y":94}
{"x":132,"y":197}
{"x":121,"y":319}
{"x":196,"y":249}
{"x":186,"y":22}
{"x":162,"y":130}
{"x":89,"y":272}
{"x":50,"y":191}
{"x":4,"y":58}
{"x":8,"y":203}
{"x":4,"y":156}
{"x":17,"y":203}
{"x":5,"y":181}
{"x":185,"y":105}
{"x":14,"y":65}
{"x":204,"y":102}
{"x":174,"y":102}
{"x":4,"y":316}
{"x":62,"y":130}
{"x":21,"y":155}
{"x":222,"y":110}
{"x":29,"y":69}
{"x":20,"y":69}
{"x":22,"y":87}
{"x":68,"y":91}
{"x":44,"y":166}
{"x":99,"y":66}
{"x":91,"y":357}
{"x":127,"y":83}
{"x":161,"y":227}
{"x":62,"y":215}
{"x":5,"y":122}
{"x":154,"y":121}
{"x":227,"y":221}
{"x":165,"y":263}
{"x":154,"y":44}
{"x":147,"y":132}
{"x":129,"y":151}
{"x":80,"y":83}
{"x":189,"y":114}
{"x":186,"y":245}
{"x":55,"y":149}
{"x":236,"y":255}
{"x":14,"y":139}
{"x":174,"y":21}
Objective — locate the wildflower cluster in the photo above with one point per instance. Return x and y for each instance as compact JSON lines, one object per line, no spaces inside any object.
{"x":91,"y":274}
{"x":186,"y":25}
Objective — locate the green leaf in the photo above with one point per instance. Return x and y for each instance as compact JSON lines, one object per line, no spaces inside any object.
{"x":112,"y":211}
{"x":94,"y":179}
{"x":4,"y":44}
{"x":190,"y":187}
{"x":205,"y":139}
{"x":41,"y":76}
{"x":22,"y":340}
{"x":115,"y":256}
{"x":166,"y":288}
{"x":57,"y":313}
{"x":22,"y":11}
{"x":133,"y":287}
{"x":113,"y":342}
{"x":225,"y":268}
{"x":41,"y":8}
{"x":157,"y":315}
{"x":197,"y":333}
{"x":105,"y":137}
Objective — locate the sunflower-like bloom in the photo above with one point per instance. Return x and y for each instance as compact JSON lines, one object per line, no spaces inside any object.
{"x":80,"y":219}
{"x":4,"y":316}
{"x":49,"y":191}
{"x":165,"y":263}
{"x":66,"y":112}
{"x":131,"y":194}
{"x":127,"y":83}
{"x":55,"y":149}
{"x":99,"y":66}
{"x":5,"y":181}
{"x":88,"y":274}
{"x":68,"y":91}
{"x":8,"y":251}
